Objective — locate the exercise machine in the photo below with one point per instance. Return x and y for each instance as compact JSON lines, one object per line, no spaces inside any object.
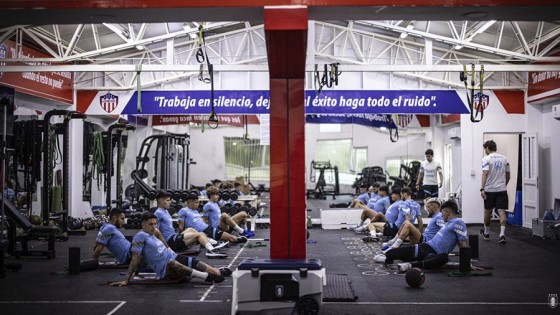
{"x":320,"y":191}
{"x":368,"y":176}
{"x":408,"y":174}
{"x":115,"y":137}
{"x":171,"y":162}
{"x":48,"y":161}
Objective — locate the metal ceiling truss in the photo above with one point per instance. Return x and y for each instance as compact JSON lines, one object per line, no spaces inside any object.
{"x":108,"y":56}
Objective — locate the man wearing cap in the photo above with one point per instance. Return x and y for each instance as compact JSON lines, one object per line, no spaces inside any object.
{"x":414,"y":234}
{"x":493,"y":189}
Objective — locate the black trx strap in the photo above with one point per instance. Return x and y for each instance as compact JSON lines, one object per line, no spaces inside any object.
{"x":474,"y":112}
{"x":201,"y":56}
{"x":393,"y":132}
{"x":329,"y":77}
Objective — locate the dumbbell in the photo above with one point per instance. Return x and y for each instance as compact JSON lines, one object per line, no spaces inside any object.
{"x":252,"y":211}
{"x":234,"y":195}
{"x":226,"y":208}
{"x":234,"y":209}
{"x":225,"y":195}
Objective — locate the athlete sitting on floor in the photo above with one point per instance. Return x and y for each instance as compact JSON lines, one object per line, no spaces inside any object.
{"x":179,"y":242}
{"x":415,"y":235}
{"x":378,"y":222}
{"x":216,"y":219}
{"x":165,"y":262}
{"x":373,"y":214}
{"x":189,"y":217}
{"x":435,"y":252}
{"x":109,"y":236}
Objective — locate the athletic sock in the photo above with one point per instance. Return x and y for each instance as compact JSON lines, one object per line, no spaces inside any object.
{"x":209,"y":247}
{"x":486,"y":229}
{"x":366,"y":222}
{"x":397,"y":243}
{"x":199,"y":274}
{"x":502,"y":230}
{"x":393,"y":240}
{"x":238,"y":229}
{"x":372,"y":233}
{"x":212,"y":241}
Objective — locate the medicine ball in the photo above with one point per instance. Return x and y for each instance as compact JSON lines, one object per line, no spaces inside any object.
{"x":415,"y":277}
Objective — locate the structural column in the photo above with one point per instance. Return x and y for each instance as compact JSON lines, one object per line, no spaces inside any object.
{"x":286,"y":40}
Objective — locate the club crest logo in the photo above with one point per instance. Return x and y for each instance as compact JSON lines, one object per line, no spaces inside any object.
{"x":279,"y":291}
{"x":553,"y":300}
{"x":480,"y":101}
{"x":109,"y":102}
{"x":404,"y":120}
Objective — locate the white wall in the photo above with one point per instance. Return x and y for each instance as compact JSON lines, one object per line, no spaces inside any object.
{"x":540,"y":120}
{"x":496,"y":120}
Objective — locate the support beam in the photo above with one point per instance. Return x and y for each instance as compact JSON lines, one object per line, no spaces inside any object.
{"x":286,"y":40}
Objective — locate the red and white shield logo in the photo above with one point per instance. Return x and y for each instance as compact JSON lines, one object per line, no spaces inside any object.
{"x":480,"y":101}
{"x":404,"y":120}
{"x":109,"y":102}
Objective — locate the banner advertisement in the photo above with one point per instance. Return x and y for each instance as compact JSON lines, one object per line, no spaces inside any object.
{"x":56,"y":86}
{"x":256,"y":102}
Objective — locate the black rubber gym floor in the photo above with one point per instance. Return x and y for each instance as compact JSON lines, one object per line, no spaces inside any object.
{"x":526,"y":271}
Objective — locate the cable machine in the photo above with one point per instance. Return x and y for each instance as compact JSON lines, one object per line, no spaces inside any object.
{"x":320,"y":191}
{"x":115,"y":137}
{"x":171,"y":165}
{"x":47,"y":194}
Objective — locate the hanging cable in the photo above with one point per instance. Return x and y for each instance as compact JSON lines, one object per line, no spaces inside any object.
{"x":201,"y":57}
{"x":98,"y":158}
{"x":328,"y":78}
{"x":393,"y":131}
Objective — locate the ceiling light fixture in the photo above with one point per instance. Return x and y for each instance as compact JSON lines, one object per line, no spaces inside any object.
{"x":140,"y":47}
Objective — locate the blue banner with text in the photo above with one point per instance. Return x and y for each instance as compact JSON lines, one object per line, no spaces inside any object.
{"x":327,"y":102}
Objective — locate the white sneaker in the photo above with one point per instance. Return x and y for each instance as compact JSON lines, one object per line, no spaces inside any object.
{"x":360,"y":229}
{"x":404,"y":267}
{"x":379,"y":258}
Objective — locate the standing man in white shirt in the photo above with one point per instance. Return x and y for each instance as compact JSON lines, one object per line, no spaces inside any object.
{"x":495,"y":177}
{"x":428,"y":176}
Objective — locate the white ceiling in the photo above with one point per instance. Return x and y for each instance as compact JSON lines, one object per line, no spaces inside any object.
{"x":458,"y":35}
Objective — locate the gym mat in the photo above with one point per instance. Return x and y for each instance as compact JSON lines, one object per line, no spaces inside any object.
{"x":339,"y":289}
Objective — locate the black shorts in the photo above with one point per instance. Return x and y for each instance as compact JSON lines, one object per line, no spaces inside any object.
{"x":176,"y":243}
{"x":430,"y":191}
{"x":213,"y":233}
{"x":188,"y":261}
{"x":496,"y":200}
{"x":390,"y":229}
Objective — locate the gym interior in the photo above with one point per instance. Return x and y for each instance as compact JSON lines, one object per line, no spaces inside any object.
{"x":300,"y":107}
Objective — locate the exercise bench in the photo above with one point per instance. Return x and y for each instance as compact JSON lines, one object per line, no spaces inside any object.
{"x":31,"y":233}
